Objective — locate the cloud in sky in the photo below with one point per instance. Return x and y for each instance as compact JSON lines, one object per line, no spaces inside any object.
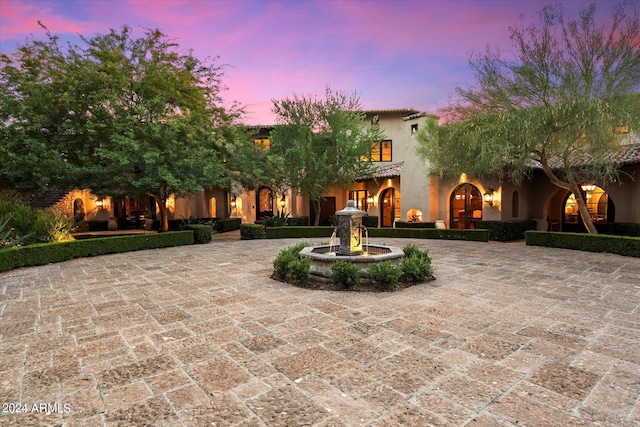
{"x":395,"y":54}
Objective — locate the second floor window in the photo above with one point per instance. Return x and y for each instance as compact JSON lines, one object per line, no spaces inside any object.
{"x":262,"y":143}
{"x":381,"y":151}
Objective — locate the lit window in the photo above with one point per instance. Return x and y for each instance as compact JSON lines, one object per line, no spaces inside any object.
{"x":262,"y":143}
{"x":381,"y":151}
{"x":622,"y":129}
{"x":360,"y":197}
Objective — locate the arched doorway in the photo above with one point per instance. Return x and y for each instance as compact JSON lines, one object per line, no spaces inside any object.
{"x":264,"y":202}
{"x":465,"y":206}
{"x":78,"y":210}
{"x":599,"y":205}
{"x":388,"y":207}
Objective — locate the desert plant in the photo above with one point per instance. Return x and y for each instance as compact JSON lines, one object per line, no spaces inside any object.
{"x":345,"y":274}
{"x":52,"y":225}
{"x":299,"y":269}
{"x":7,"y":235}
{"x":385,"y":275}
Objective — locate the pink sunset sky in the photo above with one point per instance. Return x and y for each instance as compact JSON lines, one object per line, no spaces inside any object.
{"x":394,"y":54}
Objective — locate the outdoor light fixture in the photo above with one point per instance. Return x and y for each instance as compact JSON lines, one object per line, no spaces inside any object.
{"x":283,"y":201}
{"x":369,"y":201}
{"x":233,"y":202}
{"x":488,"y":197}
{"x":588,"y":188}
{"x":99,"y":203}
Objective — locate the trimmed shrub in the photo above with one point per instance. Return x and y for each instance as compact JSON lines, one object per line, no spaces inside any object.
{"x":345,"y":274}
{"x":406,"y":224}
{"x":228,"y":224}
{"x":252,"y":231}
{"x":45,"y":253}
{"x":505,"y":231}
{"x":201,"y":233}
{"x":300,"y":220}
{"x":624,"y":229}
{"x":621,"y":245}
{"x":416,"y":268}
{"x":298,"y":232}
{"x":299,"y":269}
{"x":285,"y":257}
{"x":385,"y":275}
{"x":370,"y":221}
{"x":428,"y":233}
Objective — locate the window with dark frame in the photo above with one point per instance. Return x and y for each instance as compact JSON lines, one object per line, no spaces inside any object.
{"x":360,"y":197}
{"x":262,"y":143}
{"x":381,"y":151}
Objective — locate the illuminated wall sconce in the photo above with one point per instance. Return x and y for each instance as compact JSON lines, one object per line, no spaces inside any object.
{"x":233,"y":202}
{"x":488,"y":197}
{"x":100,"y":203}
{"x":283,"y":202}
{"x":370,"y":201}
{"x":588,"y":188}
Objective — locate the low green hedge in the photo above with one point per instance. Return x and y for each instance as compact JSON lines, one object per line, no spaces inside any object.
{"x":432,"y":233}
{"x":298,"y":232}
{"x":370,"y":221}
{"x":621,"y":245}
{"x":45,"y":253}
{"x":228,"y":224}
{"x":252,"y":231}
{"x":623,"y":229}
{"x":505,"y":231}
{"x":416,"y":233}
{"x":201,"y":233}
{"x":406,"y":224}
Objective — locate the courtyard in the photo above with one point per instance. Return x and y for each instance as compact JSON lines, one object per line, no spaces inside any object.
{"x":507,"y":335}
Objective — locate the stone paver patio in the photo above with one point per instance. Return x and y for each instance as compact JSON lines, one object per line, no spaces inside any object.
{"x":507,"y":335}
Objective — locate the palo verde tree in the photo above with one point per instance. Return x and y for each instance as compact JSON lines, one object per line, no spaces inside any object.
{"x":557,"y":102}
{"x":117,"y":114}
{"x":321,"y":143}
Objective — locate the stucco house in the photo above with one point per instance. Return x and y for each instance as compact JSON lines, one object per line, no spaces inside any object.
{"x":400,"y":190}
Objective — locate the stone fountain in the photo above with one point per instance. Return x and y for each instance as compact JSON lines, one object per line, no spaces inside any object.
{"x":353,"y":247}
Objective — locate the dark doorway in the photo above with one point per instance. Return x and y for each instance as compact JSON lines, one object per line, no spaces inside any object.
{"x":327,"y":209}
{"x":264,"y":202}
{"x":387,"y":207}
{"x":465,"y":206}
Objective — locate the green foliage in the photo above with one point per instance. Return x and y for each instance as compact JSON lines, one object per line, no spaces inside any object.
{"x":299,"y":221}
{"x":201,"y":233}
{"x":345,"y":274}
{"x":325,"y":138}
{"x":624,"y":229}
{"x":621,"y":245}
{"x":557,"y":104}
{"x":45,"y":253}
{"x":505,"y":231}
{"x":7,"y":235}
{"x":298,"y":232}
{"x":279,"y":220}
{"x":52,"y":225}
{"x":406,"y":224}
{"x":284,"y":258}
{"x":299,"y":270}
{"x":116,"y":114}
{"x":385,"y":275}
{"x":370,"y":221}
{"x":252,"y":231}
{"x":228,"y":224}
{"x":416,"y":266}
{"x":428,"y":233}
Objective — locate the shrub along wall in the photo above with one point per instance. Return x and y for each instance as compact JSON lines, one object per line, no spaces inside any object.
{"x":45,"y":253}
{"x":621,"y":245}
{"x":406,"y":224}
{"x":228,"y":224}
{"x":201,"y":233}
{"x":505,"y":231}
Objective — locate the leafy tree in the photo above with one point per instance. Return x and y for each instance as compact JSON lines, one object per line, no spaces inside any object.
{"x":119,"y":115}
{"x":321,"y":143}
{"x":559,"y":103}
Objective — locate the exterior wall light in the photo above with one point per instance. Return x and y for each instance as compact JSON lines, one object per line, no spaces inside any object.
{"x":100,"y":203}
{"x":370,"y":201}
{"x":488,"y":197}
{"x":233,"y":202}
{"x":283,"y":202}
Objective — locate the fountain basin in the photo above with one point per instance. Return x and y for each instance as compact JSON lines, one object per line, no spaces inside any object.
{"x":324,"y":256}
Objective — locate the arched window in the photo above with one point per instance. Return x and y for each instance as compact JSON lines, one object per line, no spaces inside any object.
{"x":515,"y":205}
{"x":465,"y":206}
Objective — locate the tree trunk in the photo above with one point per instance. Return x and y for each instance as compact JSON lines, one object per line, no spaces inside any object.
{"x":316,"y":209}
{"x":584,"y":211}
{"x":164,"y":218}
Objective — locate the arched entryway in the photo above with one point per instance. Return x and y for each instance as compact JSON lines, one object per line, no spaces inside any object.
{"x":465,"y":206}
{"x":264,"y":202}
{"x":389,"y":205}
{"x":599,"y":205}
